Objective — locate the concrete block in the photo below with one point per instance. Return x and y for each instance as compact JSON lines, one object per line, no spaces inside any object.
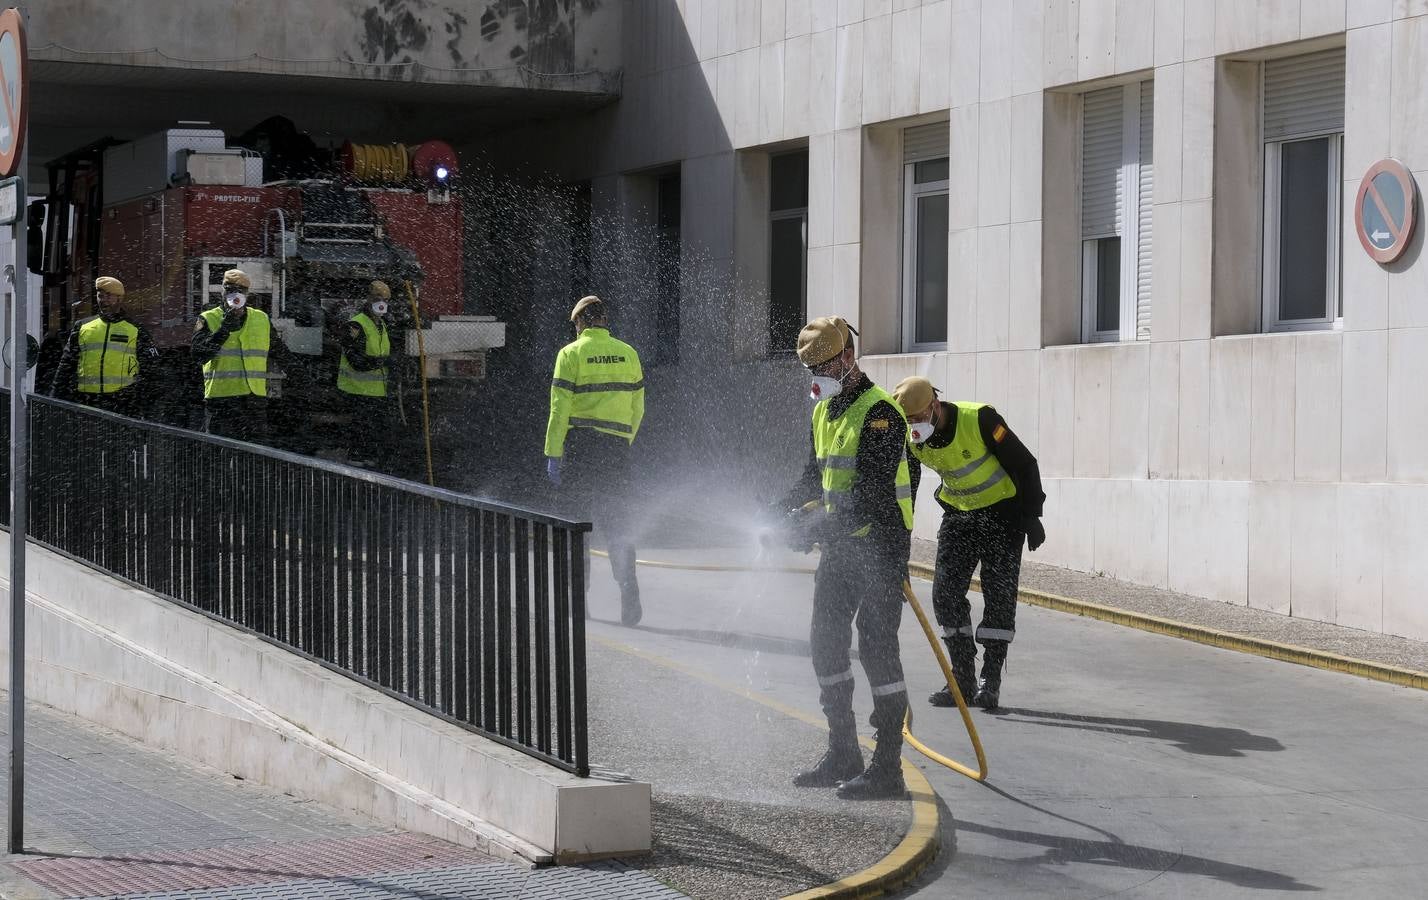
{"x":797,"y":18}
{"x":1130,"y":410}
{"x":1273,"y":405}
{"x":1407,"y":413}
{"x":1169,"y":26}
{"x":877,"y":70}
{"x":1365,"y":282}
{"x":1363,"y":535}
{"x":1319,"y":367}
{"x":1024,"y":330}
{"x":1237,"y":25}
{"x":1194,"y":439}
{"x":1314,"y":570}
{"x":1072,"y":518}
{"x":1028,"y":53}
{"x":1163,"y":419}
{"x":1271,"y":530}
{"x":1135,"y":35}
{"x":822,"y":150}
{"x":1277,"y":21}
{"x":772,"y":22}
{"x":966,"y":50}
{"x":823,"y":15}
{"x":1165,"y":273}
{"x":1058,"y":411}
{"x":1365,"y":406}
{"x":1199,"y":29}
{"x":1196,"y":244}
{"x":1368,"y":112}
{"x":1132,"y":539}
{"x":797,"y":86}
{"x":935,"y":55}
{"x":748,"y":23}
{"x":993,"y":378}
{"x":847,"y":186}
{"x":964,"y":265}
{"x":964,"y":186}
{"x":1231,"y":367}
{"x":849,"y":110}
{"x":1022,"y":406}
{"x":906,"y":62}
{"x":996,"y":52}
{"x":747,"y":68}
{"x":994,"y":172}
{"x":1093,"y":412}
{"x":1025,"y":157}
{"x":1198,"y":130}
{"x":1319,"y":17}
{"x":1096,"y":40}
{"x":823,"y":93}
{"x":850,"y":11}
{"x":1405,"y":565}
{"x":1361,"y":13}
{"x":993,"y":287}
{"x":1060,"y":38}
{"x":1168,"y":134}
{"x":1409,"y":96}
{"x":771,"y":91}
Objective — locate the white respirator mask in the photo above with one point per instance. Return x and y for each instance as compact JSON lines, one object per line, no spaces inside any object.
{"x":379,"y":307}
{"x":236,"y":301}
{"x":919,"y":432}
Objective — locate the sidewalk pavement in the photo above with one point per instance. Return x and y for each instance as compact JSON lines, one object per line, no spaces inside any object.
{"x":106,"y":816}
{"x":1241,"y":620}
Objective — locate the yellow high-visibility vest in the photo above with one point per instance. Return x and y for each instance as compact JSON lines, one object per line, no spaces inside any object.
{"x":972,"y":478}
{"x":373,"y":382}
{"x":835,"y":446}
{"x":598,"y":384}
{"x":240,"y":367}
{"x":108,"y":356}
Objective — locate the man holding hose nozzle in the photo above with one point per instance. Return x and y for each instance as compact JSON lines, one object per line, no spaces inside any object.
{"x":991,"y":500}
{"x":855,"y":500}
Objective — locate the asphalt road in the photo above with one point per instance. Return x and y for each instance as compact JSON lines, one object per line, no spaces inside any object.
{"x":1124,"y":763}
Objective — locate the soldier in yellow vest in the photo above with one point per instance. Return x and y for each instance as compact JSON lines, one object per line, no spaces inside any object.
{"x":235,"y":343}
{"x":991,"y":501}
{"x":597,"y":402}
{"x":107,"y":358}
{"x":855,"y":500}
{"x":363,"y":377}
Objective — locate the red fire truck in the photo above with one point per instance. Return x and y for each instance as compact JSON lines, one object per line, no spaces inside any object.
{"x":169,"y":213}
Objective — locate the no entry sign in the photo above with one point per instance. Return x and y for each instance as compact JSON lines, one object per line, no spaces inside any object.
{"x":1385,"y":212}
{"x":14,"y":91}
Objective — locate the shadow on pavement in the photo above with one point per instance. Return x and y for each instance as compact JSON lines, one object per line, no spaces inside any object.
{"x":1202,"y":740}
{"x":1062,"y":850}
{"x":758,"y":642}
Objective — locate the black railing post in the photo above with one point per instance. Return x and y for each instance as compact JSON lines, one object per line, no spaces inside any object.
{"x":577,"y":653}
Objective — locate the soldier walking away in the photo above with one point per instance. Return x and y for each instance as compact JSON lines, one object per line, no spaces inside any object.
{"x":108,"y":358}
{"x":362,"y":378}
{"x":991,"y":501}
{"x":597,"y":401}
{"x":234,"y":343}
{"x":855,"y":500}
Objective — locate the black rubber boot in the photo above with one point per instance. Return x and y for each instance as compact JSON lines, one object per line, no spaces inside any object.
{"x":989,"y":690}
{"x":630,"y":610}
{"x":842,"y":761}
{"x":883,"y":778}
{"x":962,"y":652}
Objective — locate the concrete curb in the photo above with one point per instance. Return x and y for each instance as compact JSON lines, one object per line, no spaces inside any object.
{"x":904,"y":863}
{"x":1213,"y":637}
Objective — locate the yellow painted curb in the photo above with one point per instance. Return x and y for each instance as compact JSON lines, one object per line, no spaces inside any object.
{"x":1213,"y":637}
{"x":904,"y":863}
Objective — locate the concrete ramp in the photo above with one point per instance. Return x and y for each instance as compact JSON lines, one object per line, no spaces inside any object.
{"x":175,"y":678}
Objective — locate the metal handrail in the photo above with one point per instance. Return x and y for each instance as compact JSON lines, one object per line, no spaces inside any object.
{"x":468,"y":609}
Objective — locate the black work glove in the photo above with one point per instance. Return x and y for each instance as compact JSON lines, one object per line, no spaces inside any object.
{"x":802,"y":527}
{"x":233,"y":318}
{"x":1035,"y":534}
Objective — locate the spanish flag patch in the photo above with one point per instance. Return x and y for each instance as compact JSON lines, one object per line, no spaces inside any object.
{"x":999,"y":433}
{"x":879,"y":424}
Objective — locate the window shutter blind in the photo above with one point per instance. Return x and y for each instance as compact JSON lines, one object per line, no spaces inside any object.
{"x":1304,"y":95}
{"x":926,"y":142}
{"x":1101,"y":144}
{"x":1147,"y":209}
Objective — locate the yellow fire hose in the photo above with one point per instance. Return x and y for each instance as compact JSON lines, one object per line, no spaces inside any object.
{"x":425,"y":398}
{"x":977,"y":774}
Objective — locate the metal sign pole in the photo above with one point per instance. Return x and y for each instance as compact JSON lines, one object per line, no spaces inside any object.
{"x":19,"y":523}
{"x":19,"y":507}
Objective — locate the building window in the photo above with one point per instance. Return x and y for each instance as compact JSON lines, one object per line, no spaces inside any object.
{"x":668,"y":267}
{"x":1303,"y":117}
{"x":1117,"y":189}
{"x":788,"y":248}
{"x":924,"y":237}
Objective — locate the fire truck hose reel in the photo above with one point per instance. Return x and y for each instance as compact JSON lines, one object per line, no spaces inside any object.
{"x":977,"y":774}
